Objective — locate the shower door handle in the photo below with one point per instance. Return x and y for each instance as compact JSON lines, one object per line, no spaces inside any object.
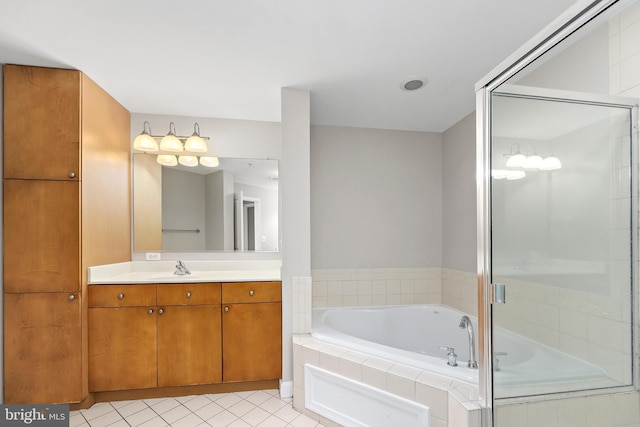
{"x":499,"y":293}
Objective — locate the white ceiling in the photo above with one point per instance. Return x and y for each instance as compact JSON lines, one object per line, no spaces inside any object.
{"x":229,"y":58}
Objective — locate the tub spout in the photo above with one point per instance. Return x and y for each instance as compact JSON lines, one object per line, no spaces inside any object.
{"x":465,"y":322}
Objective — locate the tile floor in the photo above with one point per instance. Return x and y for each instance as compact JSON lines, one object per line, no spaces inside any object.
{"x":263,"y":408}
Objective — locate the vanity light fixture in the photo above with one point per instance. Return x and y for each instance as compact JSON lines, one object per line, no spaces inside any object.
{"x":172,"y":143}
{"x":195,"y":143}
{"x":144,"y":141}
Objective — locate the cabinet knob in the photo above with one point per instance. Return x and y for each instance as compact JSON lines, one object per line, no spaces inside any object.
{"x":160,"y":310}
{"x":72,"y":297}
{"x":120,"y":296}
{"x":72,"y":174}
{"x":226,"y":309}
{"x":188,"y":294}
{"x":251,"y":292}
{"x":150,"y":311}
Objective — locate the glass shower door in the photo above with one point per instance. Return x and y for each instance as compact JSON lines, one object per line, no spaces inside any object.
{"x":561,"y":248}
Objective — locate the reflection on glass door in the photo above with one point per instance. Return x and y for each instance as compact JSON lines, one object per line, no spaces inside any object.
{"x":561,"y":245}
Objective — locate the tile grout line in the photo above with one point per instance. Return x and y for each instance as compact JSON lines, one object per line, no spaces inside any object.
{"x":242,"y":396}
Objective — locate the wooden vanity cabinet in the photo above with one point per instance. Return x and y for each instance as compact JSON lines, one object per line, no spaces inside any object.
{"x":66,"y":204}
{"x":251,"y":331}
{"x":122,"y":337}
{"x":189,"y":334}
{"x":146,"y":336}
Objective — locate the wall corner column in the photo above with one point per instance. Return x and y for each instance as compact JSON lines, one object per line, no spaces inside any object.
{"x":295,"y":183}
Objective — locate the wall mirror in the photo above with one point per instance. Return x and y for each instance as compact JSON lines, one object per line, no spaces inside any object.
{"x":231,"y":207}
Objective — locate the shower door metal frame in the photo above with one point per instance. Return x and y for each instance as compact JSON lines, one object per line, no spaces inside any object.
{"x":565,"y":25}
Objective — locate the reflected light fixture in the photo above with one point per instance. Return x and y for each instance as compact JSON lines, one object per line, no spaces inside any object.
{"x":210,"y":162}
{"x":171,"y":143}
{"x":167,"y":160}
{"x":508,"y":174}
{"x":517,"y":159}
{"x":530,"y":162}
{"x":533,"y":162}
{"x":190,"y":161}
{"x":550,"y":163}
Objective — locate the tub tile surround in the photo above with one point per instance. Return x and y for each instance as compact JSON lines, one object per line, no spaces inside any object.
{"x":301,"y":294}
{"x":451,"y":403}
{"x":395,"y":286}
{"x":351,"y":287}
{"x":460,"y":290}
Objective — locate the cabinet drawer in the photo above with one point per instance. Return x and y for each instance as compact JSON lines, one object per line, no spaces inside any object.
{"x":248,"y":292}
{"x":122,"y":295}
{"x":189,"y":294}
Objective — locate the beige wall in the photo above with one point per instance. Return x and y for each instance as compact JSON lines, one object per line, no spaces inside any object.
{"x":376,"y":198}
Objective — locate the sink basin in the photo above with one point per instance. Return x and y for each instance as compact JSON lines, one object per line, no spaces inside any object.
{"x":176,"y":278}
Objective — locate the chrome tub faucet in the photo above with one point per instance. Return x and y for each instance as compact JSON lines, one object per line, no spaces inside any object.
{"x":465,"y":322}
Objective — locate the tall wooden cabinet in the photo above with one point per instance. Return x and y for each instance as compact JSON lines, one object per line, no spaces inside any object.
{"x":66,"y":207}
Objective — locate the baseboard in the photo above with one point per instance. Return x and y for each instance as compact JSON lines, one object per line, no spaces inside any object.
{"x":286,"y":389}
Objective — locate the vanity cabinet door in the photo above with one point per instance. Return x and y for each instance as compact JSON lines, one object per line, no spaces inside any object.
{"x":44,"y":335}
{"x":252,"y":341}
{"x":189,"y":345}
{"x":122,"y":348}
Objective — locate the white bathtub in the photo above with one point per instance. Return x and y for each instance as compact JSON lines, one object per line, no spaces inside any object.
{"x":412,"y":335}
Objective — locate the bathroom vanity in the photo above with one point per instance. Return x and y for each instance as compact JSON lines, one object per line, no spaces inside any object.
{"x":156,"y":335}
{"x":81,"y":322}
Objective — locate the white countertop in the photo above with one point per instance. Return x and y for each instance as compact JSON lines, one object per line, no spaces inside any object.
{"x":201,"y":271}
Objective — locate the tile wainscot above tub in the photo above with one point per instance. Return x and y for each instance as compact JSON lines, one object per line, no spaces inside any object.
{"x":201,"y":271}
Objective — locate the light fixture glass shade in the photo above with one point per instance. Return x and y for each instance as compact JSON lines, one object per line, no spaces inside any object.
{"x":516,"y":161}
{"x":167,"y":160}
{"x":190,"y":161}
{"x":210,"y":162}
{"x":550,"y":163}
{"x":145,"y":142}
{"x":533,"y":162}
{"x":195,"y":143}
{"x":171,"y":143}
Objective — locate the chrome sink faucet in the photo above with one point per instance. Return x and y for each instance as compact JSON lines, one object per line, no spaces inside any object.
{"x":181,"y":269}
{"x":465,"y":322}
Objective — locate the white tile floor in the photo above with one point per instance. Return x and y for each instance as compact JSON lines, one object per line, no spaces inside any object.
{"x":262,"y":408}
